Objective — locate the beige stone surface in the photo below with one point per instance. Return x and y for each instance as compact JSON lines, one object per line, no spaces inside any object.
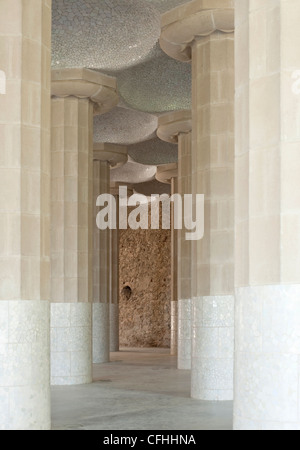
{"x":213,"y":162}
{"x":267,"y":157}
{"x":25,"y":150}
{"x":72,"y":165}
{"x":184,"y":187}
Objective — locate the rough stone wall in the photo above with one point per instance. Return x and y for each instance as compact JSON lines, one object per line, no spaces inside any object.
{"x":145,"y":268}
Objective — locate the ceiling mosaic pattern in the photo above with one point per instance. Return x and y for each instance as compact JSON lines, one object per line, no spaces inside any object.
{"x":124,"y":126}
{"x":103,"y":34}
{"x":158,"y":85}
{"x":154,"y":152}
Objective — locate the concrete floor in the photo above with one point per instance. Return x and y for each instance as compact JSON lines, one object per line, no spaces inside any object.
{"x":139,"y":390}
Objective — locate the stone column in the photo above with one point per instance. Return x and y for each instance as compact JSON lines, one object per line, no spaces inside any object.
{"x":114,"y":277}
{"x":267,"y":276}
{"x":174,"y":272}
{"x":75,"y":93}
{"x":25,"y":41}
{"x":105,"y":156}
{"x":176,"y":127}
{"x":207,"y":26}
{"x":168,"y":174}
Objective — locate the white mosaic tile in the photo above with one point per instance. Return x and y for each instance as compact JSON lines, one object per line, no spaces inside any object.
{"x":29,"y":417}
{"x":3,"y":322}
{"x":218,"y":311}
{"x":61,"y":315}
{"x":267,"y":369}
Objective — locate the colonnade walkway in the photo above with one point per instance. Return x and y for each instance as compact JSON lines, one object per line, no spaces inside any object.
{"x":140,"y":389}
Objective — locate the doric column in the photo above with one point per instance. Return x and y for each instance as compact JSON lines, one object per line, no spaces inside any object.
{"x":202,"y":31}
{"x":168,"y":174}
{"x":105,"y":156}
{"x":114,"y":276}
{"x":176,"y":127}
{"x":75,"y":93}
{"x":267,"y":210}
{"x":25,"y":31}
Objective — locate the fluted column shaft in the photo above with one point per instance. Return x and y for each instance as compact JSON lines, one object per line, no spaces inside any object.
{"x":175,"y":127}
{"x":267,"y":161}
{"x":25,"y":36}
{"x":105,"y":317}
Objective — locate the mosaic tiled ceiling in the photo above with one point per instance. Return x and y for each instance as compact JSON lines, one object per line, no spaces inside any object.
{"x":158,"y":85}
{"x":103,"y":34}
{"x":124,"y":126}
{"x":120,"y":38}
{"x":133,"y":172}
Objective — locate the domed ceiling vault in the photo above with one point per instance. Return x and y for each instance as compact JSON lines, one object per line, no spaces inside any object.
{"x":120,"y":38}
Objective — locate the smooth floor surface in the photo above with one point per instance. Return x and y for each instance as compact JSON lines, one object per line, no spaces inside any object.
{"x":141,"y":389}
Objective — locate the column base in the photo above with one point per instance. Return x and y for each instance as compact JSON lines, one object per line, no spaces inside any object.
{"x":174,"y":329}
{"x":213,"y":348}
{"x":184,"y":334}
{"x":101,"y":333}
{"x":71,"y":343}
{"x":267,"y":357}
{"x":24,"y":365}
{"x":114,"y":327}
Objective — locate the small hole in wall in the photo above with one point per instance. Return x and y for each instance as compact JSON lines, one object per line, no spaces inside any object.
{"x":127,"y":292}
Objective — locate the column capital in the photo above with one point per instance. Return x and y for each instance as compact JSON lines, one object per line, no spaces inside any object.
{"x":171,"y":125}
{"x":84,"y":83}
{"x":115,"y":155}
{"x":166,"y":172}
{"x":181,"y":26}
